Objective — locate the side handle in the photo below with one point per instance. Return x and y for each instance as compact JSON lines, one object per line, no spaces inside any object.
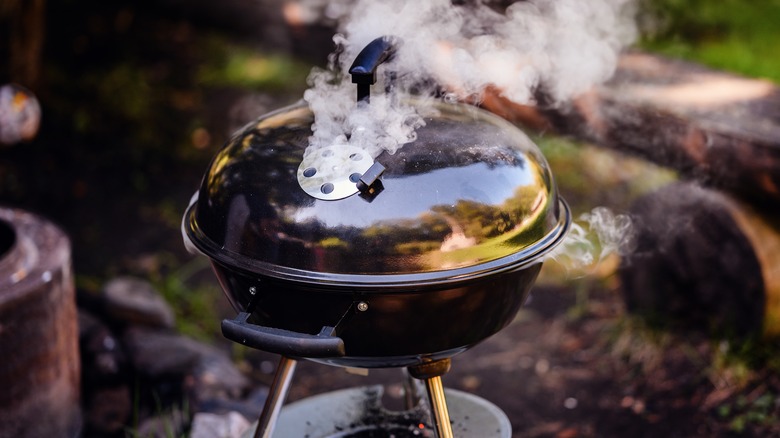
{"x":284,"y":342}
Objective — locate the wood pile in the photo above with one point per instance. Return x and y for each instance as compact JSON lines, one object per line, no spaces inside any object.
{"x":719,"y":129}
{"x":709,"y":248}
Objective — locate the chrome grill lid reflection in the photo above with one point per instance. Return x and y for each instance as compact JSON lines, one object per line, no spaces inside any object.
{"x":471,"y":195}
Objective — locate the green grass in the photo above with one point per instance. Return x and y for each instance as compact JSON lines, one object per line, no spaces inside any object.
{"x":734,"y":35}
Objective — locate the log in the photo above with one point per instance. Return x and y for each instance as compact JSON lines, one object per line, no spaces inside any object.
{"x":704,"y":260}
{"x":716,"y":128}
{"x":40,"y":369}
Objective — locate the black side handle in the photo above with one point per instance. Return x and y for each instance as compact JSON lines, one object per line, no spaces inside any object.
{"x":363,"y":69}
{"x":284,"y":342}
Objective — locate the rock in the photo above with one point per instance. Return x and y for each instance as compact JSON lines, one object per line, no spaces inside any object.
{"x":216,"y":376}
{"x":158,"y":353}
{"x":171,"y":424}
{"x":230,"y":425}
{"x":135,"y":302}
{"x":249,"y":407}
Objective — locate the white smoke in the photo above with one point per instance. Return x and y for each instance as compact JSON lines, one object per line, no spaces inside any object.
{"x":553,"y":48}
{"x":593,"y":237}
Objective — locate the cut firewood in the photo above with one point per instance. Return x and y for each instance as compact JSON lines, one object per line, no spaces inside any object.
{"x":720,"y":129}
{"x":704,"y":260}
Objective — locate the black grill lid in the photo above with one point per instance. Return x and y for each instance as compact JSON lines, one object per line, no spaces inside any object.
{"x":470,"y":196}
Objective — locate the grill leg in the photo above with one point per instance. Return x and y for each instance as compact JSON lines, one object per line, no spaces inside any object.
{"x":276,"y":396}
{"x":439,"y":407}
{"x":431,"y":373}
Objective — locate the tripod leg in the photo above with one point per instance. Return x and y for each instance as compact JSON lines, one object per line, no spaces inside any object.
{"x":276,"y":396}
{"x":439,"y":407}
{"x":431,"y":373}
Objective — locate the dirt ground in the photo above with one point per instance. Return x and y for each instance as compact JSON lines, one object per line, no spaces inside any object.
{"x":567,"y":369}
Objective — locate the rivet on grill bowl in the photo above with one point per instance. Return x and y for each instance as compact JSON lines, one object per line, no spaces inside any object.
{"x":252,"y":290}
{"x":362,"y":306}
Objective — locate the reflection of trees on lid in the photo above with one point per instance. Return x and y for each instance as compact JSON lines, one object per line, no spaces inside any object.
{"x":251,"y":202}
{"x":477,"y":223}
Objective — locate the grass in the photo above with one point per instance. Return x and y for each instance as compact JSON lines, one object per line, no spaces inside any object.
{"x":734,"y":35}
{"x":745,"y":411}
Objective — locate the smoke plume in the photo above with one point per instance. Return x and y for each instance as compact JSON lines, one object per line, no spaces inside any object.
{"x":592,"y":237}
{"x":551,"y":48}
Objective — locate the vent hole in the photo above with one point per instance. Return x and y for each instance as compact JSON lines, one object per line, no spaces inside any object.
{"x":356,"y":156}
{"x":327,"y":188}
{"x":327,"y":153}
{"x":308,"y":173}
{"x":355,"y":177}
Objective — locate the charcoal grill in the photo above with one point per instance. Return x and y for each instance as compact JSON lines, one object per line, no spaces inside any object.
{"x":396,"y":260}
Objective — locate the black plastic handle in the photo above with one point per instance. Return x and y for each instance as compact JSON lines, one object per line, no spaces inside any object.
{"x":284,"y":342}
{"x":363,"y":69}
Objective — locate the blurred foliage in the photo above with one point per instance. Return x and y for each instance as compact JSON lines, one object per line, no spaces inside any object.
{"x":744,"y":412}
{"x":588,"y":176}
{"x":735,"y":35}
{"x":228,"y":64}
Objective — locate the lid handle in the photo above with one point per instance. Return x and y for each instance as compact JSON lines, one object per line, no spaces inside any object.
{"x":363,"y":69}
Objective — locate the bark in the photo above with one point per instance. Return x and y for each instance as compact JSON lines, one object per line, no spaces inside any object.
{"x":719,"y":129}
{"x":704,"y":260}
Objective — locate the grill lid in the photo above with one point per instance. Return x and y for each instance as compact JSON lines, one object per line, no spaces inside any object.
{"x":470,"y":196}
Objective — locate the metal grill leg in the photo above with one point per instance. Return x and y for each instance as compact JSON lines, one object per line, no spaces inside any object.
{"x":439,"y":407}
{"x":276,"y":396}
{"x":431,"y":373}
